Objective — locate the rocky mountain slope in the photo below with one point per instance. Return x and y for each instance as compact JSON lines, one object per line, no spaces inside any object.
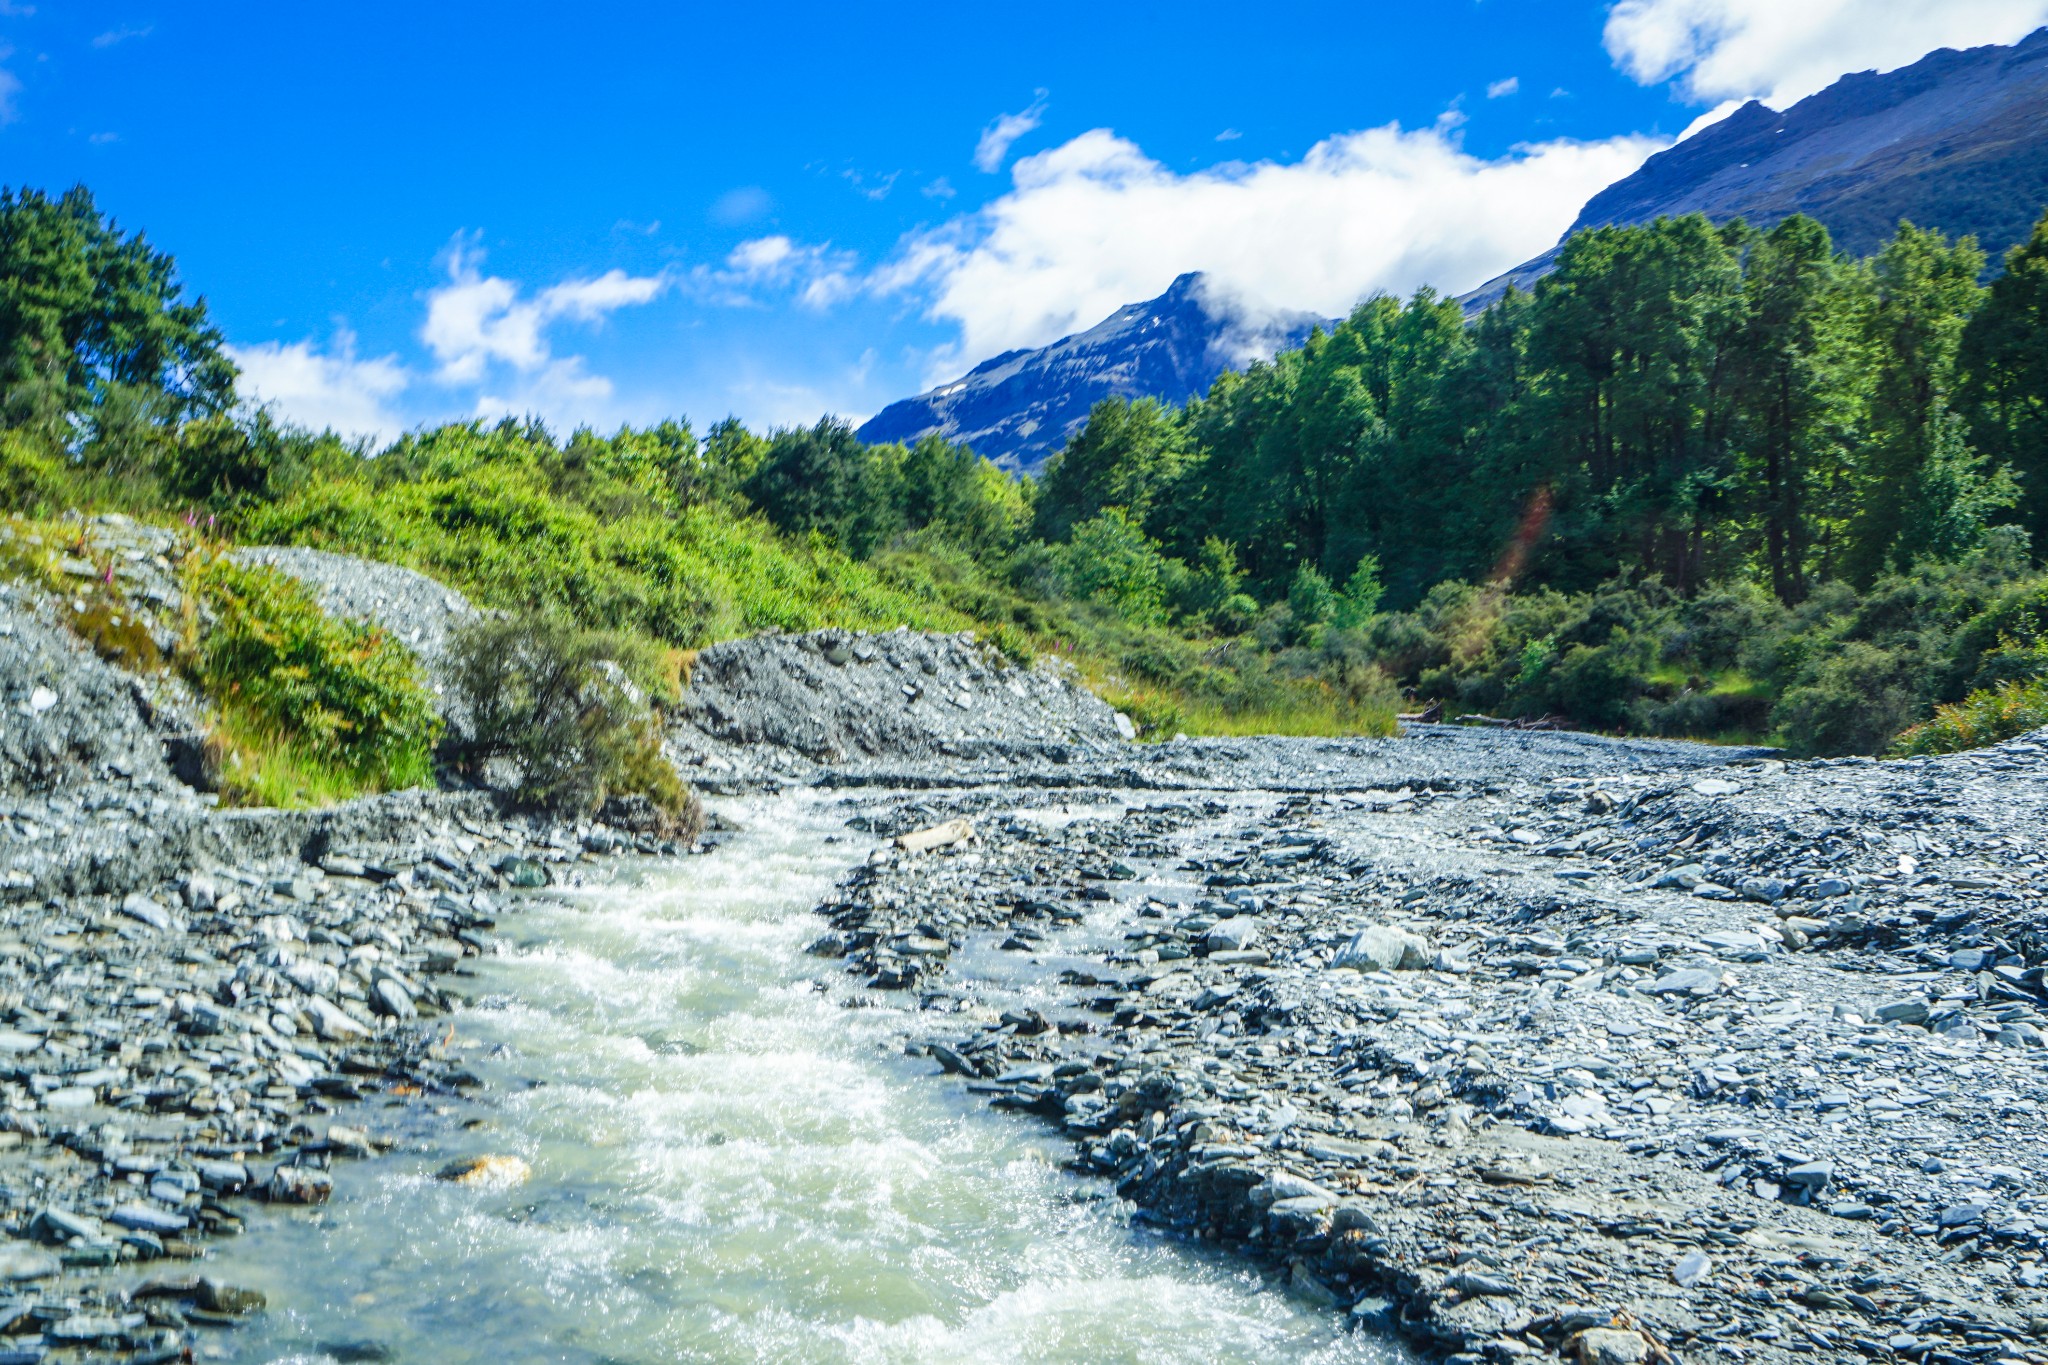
{"x":1958,"y":141}
{"x":1021,"y":406}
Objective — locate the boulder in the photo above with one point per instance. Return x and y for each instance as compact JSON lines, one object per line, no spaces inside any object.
{"x":1383,"y":948}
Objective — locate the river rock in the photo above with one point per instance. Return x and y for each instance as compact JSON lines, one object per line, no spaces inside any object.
{"x":332,"y":1022}
{"x":140,"y":907}
{"x":61,"y":1225}
{"x":1610,"y":1346}
{"x":299,"y":1185}
{"x":936,"y":836}
{"x":1232,"y":935}
{"x":216,"y":1296}
{"x":488,"y":1171}
{"x":19,"y":1261}
{"x":390,"y":998}
{"x":148,"y":1218}
{"x":523,"y":873}
{"x":1383,"y":948}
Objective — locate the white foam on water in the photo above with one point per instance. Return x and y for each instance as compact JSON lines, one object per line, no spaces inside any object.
{"x":730,"y":1165}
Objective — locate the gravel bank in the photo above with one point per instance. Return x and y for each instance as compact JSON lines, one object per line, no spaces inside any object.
{"x":893,"y":708}
{"x":1602,"y":1052}
{"x":194,"y":1002}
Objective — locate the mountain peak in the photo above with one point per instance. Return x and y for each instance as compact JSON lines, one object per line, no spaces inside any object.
{"x":1953,"y":141}
{"x":1021,"y":406}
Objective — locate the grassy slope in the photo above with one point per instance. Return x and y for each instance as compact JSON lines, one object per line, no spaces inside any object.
{"x":612,"y":554}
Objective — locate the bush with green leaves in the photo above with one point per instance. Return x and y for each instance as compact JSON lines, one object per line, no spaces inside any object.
{"x":1361,"y":595}
{"x":342,"y":695}
{"x":2004,"y":712}
{"x":1311,"y":602}
{"x":1110,"y":560}
{"x":559,"y":703}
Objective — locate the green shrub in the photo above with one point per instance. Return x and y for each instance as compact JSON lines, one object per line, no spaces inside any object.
{"x":32,"y":480}
{"x":1982,"y":718}
{"x":1113,"y":562}
{"x":1361,"y":595}
{"x":1856,"y":699}
{"x":341,"y":694}
{"x":558,"y":702}
{"x":1311,"y":603}
{"x":1235,"y":614}
{"x":1594,"y":685}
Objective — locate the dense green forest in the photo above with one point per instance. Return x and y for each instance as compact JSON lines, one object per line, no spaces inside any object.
{"x":1702,"y":481}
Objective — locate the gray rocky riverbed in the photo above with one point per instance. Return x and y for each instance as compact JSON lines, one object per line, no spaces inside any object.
{"x":1510,"y":1044}
{"x":1523,"y":1045}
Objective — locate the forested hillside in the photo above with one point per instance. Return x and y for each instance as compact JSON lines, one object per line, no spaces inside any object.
{"x":1702,"y":481}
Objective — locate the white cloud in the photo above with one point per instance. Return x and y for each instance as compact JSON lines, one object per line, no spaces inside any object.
{"x":1502,"y":88}
{"x":339,"y":391}
{"x":760,"y":258}
{"x":122,"y":35}
{"x":478,"y":321}
{"x":998,"y":136}
{"x":10,"y":89}
{"x":1783,"y":50}
{"x":1095,"y":223}
{"x":492,"y":354}
{"x":1229,"y":135}
{"x":589,"y":300}
{"x":818,"y":276}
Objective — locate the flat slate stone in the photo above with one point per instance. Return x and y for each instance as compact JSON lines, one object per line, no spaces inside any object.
{"x":148,"y":1218}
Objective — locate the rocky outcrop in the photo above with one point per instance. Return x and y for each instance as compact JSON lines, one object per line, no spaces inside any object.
{"x":67,"y":718}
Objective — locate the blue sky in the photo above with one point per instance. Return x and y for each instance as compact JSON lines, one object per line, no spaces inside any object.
{"x":607,"y":213}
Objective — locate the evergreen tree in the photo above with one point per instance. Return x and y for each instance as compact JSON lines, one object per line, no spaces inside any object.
{"x":2004,"y":389}
{"x":1797,"y":391}
{"x":1923,"y":290}
{"x":95,"y":324}
{"x":1126,"y":456}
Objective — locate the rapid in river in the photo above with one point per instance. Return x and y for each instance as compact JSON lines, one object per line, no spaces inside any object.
{"x":728,"y":1164}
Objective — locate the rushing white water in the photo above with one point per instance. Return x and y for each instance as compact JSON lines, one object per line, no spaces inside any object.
{"x":728,"y":1165}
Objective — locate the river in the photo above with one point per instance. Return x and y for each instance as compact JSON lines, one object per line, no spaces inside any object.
{"x":729,"y":1165}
